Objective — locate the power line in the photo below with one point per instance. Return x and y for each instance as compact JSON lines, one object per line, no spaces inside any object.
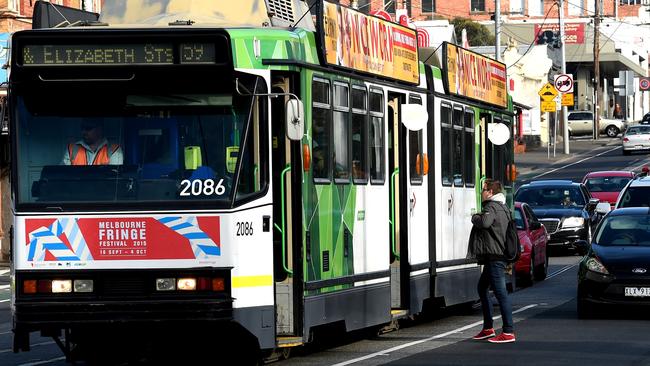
{"x":535,"y":36}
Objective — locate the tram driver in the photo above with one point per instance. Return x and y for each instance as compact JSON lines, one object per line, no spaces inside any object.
{"x":93,"y":148}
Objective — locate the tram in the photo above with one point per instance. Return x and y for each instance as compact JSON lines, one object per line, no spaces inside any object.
{"x":262,"y":175}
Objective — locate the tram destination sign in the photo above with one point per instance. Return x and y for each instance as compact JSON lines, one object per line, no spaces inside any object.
{"x":118,"y":54}
{"x":368,"y":44}
{"x":474,"y":76}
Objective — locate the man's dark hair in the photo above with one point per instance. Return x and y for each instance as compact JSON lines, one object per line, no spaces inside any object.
{"x":493,"y":185}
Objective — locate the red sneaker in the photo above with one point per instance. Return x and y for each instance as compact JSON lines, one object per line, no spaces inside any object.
{"x":503,"y":338}
{"x":484,"y":334}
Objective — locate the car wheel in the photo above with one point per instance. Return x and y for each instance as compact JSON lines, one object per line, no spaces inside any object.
{"x":612,"y":131}
{"x":542,"y":269}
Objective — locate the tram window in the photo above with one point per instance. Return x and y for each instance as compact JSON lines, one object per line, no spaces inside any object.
{"x":470,"y":157}
{"x":321,"y":130}
{"x":445,"y":145}
{"x":416,"y":150}
{"x":508,"y":154}
{"x":457,"y":147}
{"x":498,"y":159}
{"x":359,"y":135}
{"x":377,"y":138}
{"x":341,"y":133}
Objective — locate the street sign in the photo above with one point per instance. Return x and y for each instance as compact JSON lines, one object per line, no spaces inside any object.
{"x":547,"y":92}
{"x":563,"y":83}
{"x":548,"y":105}
{"x":644,"y":84}
{"x":567,"y":99}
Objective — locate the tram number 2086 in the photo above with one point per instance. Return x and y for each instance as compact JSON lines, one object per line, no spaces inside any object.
{"x":198,"y":187}
{"x":244,"y":228}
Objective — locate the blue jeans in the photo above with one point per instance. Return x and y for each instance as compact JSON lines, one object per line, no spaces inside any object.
{"x":494,"y":275}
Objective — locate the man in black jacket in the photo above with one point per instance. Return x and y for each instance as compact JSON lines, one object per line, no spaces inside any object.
{"x":487,"y":245}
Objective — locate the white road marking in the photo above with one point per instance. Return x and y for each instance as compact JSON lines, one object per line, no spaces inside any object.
{"x":4,"y":287}
{"x":574,"y":163}
{"x":6,"y":300}
{"x":2,"y":333}
{"x":31,"y":345}
{"x":43,"y":362}
{"x":4,"y":272}
{"x":415,"y":343}
{"x":559,"y":272}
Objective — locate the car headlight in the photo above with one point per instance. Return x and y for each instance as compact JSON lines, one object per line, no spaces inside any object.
{"x":594,"y":265}
{"x":573,"y":222}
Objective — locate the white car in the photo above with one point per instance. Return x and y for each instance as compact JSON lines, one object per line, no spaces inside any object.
{"x":636,"y":138}
{"x":581,"y":123}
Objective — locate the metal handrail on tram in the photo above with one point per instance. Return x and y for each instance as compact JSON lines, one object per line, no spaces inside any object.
{"x":284,"y":227}
{"x":392,"y":213}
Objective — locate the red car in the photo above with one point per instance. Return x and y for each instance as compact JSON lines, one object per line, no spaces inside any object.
{"x":607,"y":185}
{"x":533,"y":263}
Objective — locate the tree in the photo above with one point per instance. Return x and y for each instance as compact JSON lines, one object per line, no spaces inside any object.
{"x":477,"y":34}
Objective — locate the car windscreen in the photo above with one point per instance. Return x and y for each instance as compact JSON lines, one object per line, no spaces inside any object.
{"x":638,"y":130}
{"x":551,"y":196}
{"x":607,"y":184}
{"x":635,"y":197}
{"x":624,"y":230}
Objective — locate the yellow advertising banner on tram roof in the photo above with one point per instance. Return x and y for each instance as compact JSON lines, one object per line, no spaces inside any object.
{"x":365,"y":43}
{"x":475,"y":76}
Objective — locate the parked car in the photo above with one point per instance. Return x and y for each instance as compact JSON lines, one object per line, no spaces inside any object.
{"x":533,"y":263}
{"x":635,"y":194}
{"x":582,"y":122}
{"x":636,"y":138}
{"x":607,"y":185}
{"x":645,"y":120}
{"x":565,"y":208}
{"x":616,"y":269}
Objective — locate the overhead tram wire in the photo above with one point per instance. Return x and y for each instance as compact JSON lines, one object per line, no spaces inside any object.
{"x":530,"y":47}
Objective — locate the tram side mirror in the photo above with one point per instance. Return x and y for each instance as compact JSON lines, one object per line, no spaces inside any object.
{"x":295,"y":119}
{"x":414,"y":116}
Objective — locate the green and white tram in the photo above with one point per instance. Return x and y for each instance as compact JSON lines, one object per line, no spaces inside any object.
{"x":270,"y":180}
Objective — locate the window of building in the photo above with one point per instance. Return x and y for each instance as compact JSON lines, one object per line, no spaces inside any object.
{"x":321,"y":130}
{"x":377,"y":137}
{"x":341,"y":133}
{"x":470,"y":148}
{"x":359,"y":135}
{"x":477,"y":5}
{"x":457,"y":148}
{"x":14,"y":5}
{"x":575,"y":7}
{"x":428,"y":6}
{"x":389,"y":6}
{"x":632,"y":2}
{"x":517,"y":6}
{"x":535,"y":7}
{"x":445,"y":144}
{"x":416,"y":150}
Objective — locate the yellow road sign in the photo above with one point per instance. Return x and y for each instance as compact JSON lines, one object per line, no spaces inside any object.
{"x":548,"y":106}
{"x":567,"y":99}
{"x":548,"y":92}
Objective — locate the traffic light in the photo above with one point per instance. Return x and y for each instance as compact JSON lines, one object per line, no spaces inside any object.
{"x":549,"y":37}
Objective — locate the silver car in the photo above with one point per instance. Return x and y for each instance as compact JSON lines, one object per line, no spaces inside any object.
{"x":636,"y":138}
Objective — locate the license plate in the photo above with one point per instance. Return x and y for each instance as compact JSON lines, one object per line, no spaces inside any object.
{"x":637,"y":291}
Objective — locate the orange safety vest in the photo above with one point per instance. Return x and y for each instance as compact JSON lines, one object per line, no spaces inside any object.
{"x":77,"y":154}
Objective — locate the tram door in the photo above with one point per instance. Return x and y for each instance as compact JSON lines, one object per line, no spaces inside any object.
{"x":407,"y":202}
{"x":286,"y":175}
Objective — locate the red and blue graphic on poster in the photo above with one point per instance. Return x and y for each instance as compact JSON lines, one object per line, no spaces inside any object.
{"x":87,"y":239}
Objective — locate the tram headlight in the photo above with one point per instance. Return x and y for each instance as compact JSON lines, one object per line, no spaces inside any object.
{"x":186,"y":284}
{"x":61,"y":286}
{"x":165,"y":284}
{"x":83,"y":286}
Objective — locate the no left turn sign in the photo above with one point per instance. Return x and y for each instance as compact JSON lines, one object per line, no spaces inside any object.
{"x":564,"y":83}
{"x":644,"y":84}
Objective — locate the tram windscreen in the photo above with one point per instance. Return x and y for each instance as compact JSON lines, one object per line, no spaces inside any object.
{"x":150,"y":145}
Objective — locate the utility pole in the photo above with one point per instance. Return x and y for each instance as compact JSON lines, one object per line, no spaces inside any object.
{"x":563,"y":115}
{"x":497,"y":29}
{"x":596,"y":129}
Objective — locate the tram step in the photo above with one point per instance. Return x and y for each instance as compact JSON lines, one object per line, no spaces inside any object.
{"x":289,"y":341}
{"x":399,"y":313}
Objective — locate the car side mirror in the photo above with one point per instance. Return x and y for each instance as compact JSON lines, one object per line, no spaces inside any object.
{"x":603,"y":208}
{"x":535,"y":225}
